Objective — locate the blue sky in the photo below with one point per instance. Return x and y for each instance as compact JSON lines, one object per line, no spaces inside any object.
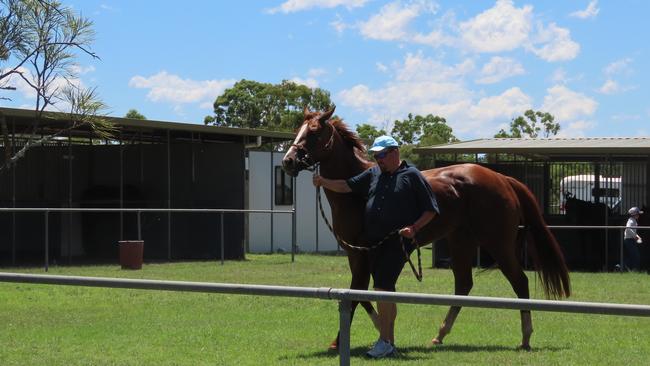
{"x":476,"y":63}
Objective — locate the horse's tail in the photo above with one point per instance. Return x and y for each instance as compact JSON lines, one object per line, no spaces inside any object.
{"x":547,"y":254}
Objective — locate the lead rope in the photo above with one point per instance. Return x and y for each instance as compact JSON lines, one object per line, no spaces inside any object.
{"x":345,"y":244}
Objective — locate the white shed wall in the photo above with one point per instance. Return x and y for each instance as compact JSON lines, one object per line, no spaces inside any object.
{"x":261,"y":165}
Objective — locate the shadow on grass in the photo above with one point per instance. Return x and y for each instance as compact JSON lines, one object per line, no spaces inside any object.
{"x":416,"y":352}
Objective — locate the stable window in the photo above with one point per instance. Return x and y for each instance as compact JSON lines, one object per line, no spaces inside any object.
{"x":283,"y":187}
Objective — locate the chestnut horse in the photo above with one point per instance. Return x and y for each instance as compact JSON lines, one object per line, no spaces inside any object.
{"x":478,"y":207}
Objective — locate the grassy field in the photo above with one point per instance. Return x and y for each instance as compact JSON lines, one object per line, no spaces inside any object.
{"x":63,"y":325}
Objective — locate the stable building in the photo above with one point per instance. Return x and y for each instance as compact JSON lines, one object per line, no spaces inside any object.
{"x":146,"y":164}
{"x":577,"y":181}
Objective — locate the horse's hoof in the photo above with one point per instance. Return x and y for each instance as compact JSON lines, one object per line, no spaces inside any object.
{"x":334,"y":346}
{"x":525,"y":347}
{"x":436,"y":341}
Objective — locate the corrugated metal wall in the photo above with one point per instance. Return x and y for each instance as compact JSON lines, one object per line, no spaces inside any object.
{"x":202,"y":176}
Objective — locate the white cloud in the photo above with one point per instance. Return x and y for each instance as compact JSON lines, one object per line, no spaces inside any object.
{"x":614,"y":87}
{"x":610,"y":87}
{"x":509,"y":103}
{"x":577,"y":128}
{"x":559,"y":76}
{"x":165,"y":87}
{"x":435,"y":38}
{"x":391,"y":22}
{"x":425,"y":86}
{"x":27,"y":93}
{"x":590,"y":12}
{"x":81,"y":70}
{"x":381,"y":67}
{"x":15,"y":81}
{"x":621,"y":66}
{"x":416,"y":67}
{"x":501,"y":28}
{"x":556,"y":44}
{"x":499,"y":68}
{"x":316,"y":72}
{"x":338,"y":25}
{"x":310,"y":82}
{"x":292,"y":6}
{"x":567,"y":105}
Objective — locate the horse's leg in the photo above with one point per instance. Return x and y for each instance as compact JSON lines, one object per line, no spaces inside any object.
{"x":461,"y":264}
{"x":359,"y":266}
{"x":509,"y":265}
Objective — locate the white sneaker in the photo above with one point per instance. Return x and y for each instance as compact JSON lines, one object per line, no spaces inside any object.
{"x":380,"y":349}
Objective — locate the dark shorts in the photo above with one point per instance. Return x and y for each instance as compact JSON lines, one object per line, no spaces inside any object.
{"x":387,"y":262}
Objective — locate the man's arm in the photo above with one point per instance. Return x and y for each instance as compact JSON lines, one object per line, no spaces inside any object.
{"x":411,"y":231}
{"x":336,"y":185}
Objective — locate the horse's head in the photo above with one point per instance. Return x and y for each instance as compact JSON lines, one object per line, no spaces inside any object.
{"x":313,"y":142}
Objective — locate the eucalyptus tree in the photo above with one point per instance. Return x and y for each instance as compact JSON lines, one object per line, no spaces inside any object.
{"x":252,"y":104}
{"x":531,"y":124}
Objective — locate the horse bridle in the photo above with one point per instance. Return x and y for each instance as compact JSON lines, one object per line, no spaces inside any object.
{"x":306,"y":159}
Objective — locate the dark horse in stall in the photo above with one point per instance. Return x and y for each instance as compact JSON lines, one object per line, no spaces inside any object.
{"x":478,"y":207}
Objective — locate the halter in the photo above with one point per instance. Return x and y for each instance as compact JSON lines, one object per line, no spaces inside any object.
{"x":307,"y":159}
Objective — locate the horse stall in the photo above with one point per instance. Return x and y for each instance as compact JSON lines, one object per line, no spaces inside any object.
{"x":577,"y":182}
{"x":147,"y":164}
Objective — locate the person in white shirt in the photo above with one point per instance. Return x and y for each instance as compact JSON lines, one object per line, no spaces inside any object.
{"x":631,"y":257}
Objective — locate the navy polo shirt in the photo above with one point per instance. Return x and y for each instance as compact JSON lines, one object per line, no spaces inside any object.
{"x":393,"y":200}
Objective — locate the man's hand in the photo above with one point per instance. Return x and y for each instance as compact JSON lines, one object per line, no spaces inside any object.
{"x":408,"y":232}
{"x":317,"y":180}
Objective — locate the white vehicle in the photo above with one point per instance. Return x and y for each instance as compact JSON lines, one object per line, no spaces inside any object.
{"x":583,"y":187}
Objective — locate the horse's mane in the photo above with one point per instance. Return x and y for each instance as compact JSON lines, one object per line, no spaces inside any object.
{"x":349,"y":136}
{"x":351,"y":139}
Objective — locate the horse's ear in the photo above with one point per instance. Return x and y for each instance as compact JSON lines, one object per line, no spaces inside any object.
{"x":326,"y":115}
{"x":305,"y":111}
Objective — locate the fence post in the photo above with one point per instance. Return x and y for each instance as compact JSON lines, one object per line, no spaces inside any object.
{"x":344,"y":332}
{"x":621,"y":255}
{"x":294,"y":222}
{"x":47,"y":241}
{"x":221,"y":230}
{"x":139,"y":226}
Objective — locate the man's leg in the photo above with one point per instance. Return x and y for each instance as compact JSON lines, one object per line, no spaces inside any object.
{"x":387,"y":315}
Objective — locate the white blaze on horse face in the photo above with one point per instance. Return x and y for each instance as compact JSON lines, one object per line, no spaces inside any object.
{"x":300,"y":136}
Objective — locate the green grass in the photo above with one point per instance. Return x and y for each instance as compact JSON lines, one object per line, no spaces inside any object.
{"x":65,"y":325}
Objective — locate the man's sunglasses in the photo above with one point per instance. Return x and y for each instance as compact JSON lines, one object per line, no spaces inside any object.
{"x":382,"y":154}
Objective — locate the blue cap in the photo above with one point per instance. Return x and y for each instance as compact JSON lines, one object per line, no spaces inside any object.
{"x":383,"y":142}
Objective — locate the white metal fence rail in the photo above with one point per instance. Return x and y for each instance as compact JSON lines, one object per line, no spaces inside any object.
{"x":222,"y":212}
{"x":343,"y":296}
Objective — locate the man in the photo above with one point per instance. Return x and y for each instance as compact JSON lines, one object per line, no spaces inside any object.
{"x":631,"y":238}
{"x":398,"y":199}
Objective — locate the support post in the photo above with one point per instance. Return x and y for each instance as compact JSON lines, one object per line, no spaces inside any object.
{"x":47,"y":241}
{"x":293,"y":222}
{"x":271,"y":196}
{"x":221,"y":234}
{"x":169,"y":198}
{"x":139,"y":225}
{"x":344,"y":332}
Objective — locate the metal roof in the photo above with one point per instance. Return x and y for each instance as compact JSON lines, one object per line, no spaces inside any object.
{"x":587,"y":146}
{"x":129,"y":126}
